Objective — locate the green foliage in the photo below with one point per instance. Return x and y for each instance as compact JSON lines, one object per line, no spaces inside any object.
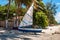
{"x":12,"y":10}
{"x":51,"y":7}
{"x":41,"y":4}
{"x":41,"y":19}
{"x":51,"y":11}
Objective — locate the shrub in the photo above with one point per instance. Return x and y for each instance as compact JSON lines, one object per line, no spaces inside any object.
{"x":41,"y":19}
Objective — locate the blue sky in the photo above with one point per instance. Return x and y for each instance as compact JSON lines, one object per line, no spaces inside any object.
{"x":3,"y":2}
{"x":57,"y":2}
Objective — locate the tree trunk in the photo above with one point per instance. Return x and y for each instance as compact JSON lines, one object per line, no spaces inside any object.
{"x":6,"y":23}
{"x":18,"y":12}
{"x":7,"y":14}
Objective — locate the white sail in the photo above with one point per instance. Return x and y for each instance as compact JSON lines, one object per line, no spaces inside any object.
{"x":28,"y":17}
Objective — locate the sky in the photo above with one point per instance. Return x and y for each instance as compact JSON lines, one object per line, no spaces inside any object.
{"x":57,"y":2}
{"x":3,"y":2}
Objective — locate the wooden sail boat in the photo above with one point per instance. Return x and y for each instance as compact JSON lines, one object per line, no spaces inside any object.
{"x":27,"y":21}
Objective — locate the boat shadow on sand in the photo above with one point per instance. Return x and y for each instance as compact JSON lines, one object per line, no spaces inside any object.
{"x":15,"y":35}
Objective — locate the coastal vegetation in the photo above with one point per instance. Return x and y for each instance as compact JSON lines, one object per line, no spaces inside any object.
{"x":43,"y":13}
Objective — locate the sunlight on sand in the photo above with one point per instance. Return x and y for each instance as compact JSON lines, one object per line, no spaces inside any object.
{"x":44,"y":35}
{"x":52,"y":29}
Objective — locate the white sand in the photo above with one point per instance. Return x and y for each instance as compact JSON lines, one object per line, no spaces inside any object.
{"x":53,"y":29}
{"x":16,"y":35}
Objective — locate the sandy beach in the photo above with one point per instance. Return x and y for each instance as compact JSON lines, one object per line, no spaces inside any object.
{"x":47,"y":34}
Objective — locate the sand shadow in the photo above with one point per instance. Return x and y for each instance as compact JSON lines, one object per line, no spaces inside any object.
{"x":26,"y":39}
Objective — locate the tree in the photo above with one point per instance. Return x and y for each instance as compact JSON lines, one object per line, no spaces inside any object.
{"x":39,"y":16}
{"x":41,"y":19}
{"x":8,"y":13}
{"x":51,"y":11}
{"x":2,"y":14}
{"x":39,"y":5}
{"x":18,"y":4}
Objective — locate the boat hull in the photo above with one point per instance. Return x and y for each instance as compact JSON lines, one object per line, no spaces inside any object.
{"x":29,"y":30}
